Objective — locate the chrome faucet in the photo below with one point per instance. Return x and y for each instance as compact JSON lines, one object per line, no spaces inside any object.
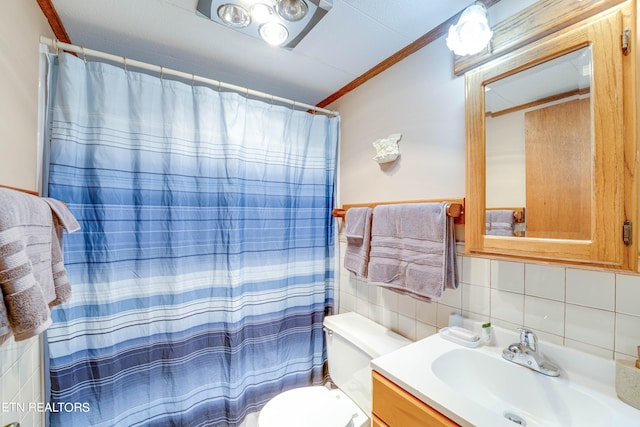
{"x":526,"y":353}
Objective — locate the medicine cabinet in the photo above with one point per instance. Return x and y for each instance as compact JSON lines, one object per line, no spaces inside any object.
{"x":552,"y":127}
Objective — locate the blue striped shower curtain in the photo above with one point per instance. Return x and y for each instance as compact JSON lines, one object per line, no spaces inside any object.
{"x":205,"y":263}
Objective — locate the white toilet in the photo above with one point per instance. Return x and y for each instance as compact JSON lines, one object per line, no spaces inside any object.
{"x":352,"y":341}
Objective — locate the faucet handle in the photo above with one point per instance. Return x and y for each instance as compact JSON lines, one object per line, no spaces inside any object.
{"x":528,"y":339}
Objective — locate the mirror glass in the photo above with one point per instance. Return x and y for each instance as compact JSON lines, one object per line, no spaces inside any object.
{"x":539,"y":150}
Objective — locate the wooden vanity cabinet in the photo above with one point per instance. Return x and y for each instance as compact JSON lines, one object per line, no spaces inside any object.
{"x":394,"y":407}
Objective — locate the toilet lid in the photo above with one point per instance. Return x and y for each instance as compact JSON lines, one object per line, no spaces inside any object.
{"x":308,"y":406}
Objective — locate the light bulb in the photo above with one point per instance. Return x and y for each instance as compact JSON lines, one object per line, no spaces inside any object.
{"x":292,"y":10}
{"x":262,"y":12}
{"x":234,"y":16}
{"x":472,"y":32}
{"x":273,"y":33}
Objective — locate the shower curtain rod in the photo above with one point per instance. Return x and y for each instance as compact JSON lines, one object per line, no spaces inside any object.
{"x":58,"y":45}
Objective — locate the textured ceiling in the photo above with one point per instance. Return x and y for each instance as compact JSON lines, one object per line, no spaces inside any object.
{"x":353,"y":37}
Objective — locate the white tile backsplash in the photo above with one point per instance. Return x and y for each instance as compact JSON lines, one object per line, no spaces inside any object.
{"x":407,"y":326}
{"x":590,"y":310}
{"x":476,"y":299}
{"x":544,"y":281}
{"x":590,"y":325}
{"x":390,"y":319}
{"x":628,"y":294}
{"x":476,"y":271}
{"x":442,"y":316}
{"x":407,"y":306}
{"x":544,"y":315}
{"x":507,"y":276}
{"x":627,"y":334}
{"x":508,"y":306}
{"x":390,"y":299}
{"x":426,"y":312}
{"x":588,"y":348}
{"x":591,"y":288}
{"x":452,"y":297}
{"x":424,"y":330}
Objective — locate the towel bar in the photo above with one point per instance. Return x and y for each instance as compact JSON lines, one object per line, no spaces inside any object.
{"x":22,"y":190}
{"x":455,"y":208}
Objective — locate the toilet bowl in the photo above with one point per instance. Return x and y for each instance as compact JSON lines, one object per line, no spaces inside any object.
{"x":312,"y":407}
{"x":352,"y":341}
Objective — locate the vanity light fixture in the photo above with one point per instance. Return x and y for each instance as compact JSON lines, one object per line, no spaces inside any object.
{"x":278,"y":22}
{"x":472,"y":33}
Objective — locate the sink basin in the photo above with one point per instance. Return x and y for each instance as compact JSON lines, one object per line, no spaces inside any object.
{"x":477,"y":387}
{"x":517,"y":393}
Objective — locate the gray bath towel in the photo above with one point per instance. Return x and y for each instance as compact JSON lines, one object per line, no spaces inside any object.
{"x":500,"y":222}
{"x":62,"y":219}
{"x":5,"y":330}
{"x":32,"y":274}
{"x":358,"y":234}
{"x":413,"y":249}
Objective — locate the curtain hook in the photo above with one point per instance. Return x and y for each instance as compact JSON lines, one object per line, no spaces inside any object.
{"x":84,"y":54}
{"x":161,"y":72}
{"x":124,"y":61}
{"x":193,"y":80}
{"x":55,"y":46}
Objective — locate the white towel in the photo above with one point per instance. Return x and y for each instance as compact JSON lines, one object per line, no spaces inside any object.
{"x":358,"y":234}
{"x":413,"y":249}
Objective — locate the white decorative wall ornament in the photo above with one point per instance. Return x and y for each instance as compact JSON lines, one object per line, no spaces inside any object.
{"x":387,"y":148}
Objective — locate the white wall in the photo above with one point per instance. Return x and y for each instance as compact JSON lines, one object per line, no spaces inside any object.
{"x":21,"y":24}
{"x":505,"y":173}
{"x":419,"y":97}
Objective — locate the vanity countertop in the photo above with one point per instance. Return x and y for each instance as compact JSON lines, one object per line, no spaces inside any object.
{"x":477,"y":387}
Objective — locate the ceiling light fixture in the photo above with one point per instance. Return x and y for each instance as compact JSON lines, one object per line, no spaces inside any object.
{"x":292,"y":10}
{"x":261,"y":13}
{"x":278,"y":22}
{"x":273,"y":33}
{"x":472,"y":33}
{"x":234,"y":16}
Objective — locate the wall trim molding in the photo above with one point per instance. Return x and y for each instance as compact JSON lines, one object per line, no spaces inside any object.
{"x":55,"y":23}
{"x":406,"y":51}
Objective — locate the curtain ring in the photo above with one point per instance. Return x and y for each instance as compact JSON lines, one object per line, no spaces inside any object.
{"x":219,"y":86}
{"x":56,"y":47}
{"x":124,"y":61}
{"x":161,"y":72}
{"x":193,"y":80}
{"x":84,"y":54}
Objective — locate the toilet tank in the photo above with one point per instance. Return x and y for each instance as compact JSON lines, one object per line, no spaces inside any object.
{"x":352,"y":342}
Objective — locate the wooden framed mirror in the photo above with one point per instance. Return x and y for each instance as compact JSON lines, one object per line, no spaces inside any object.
{"x":561,"y":145}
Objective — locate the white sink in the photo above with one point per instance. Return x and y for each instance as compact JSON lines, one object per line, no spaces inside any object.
{"x":518,"y":392}
{"x":477,"y":387}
